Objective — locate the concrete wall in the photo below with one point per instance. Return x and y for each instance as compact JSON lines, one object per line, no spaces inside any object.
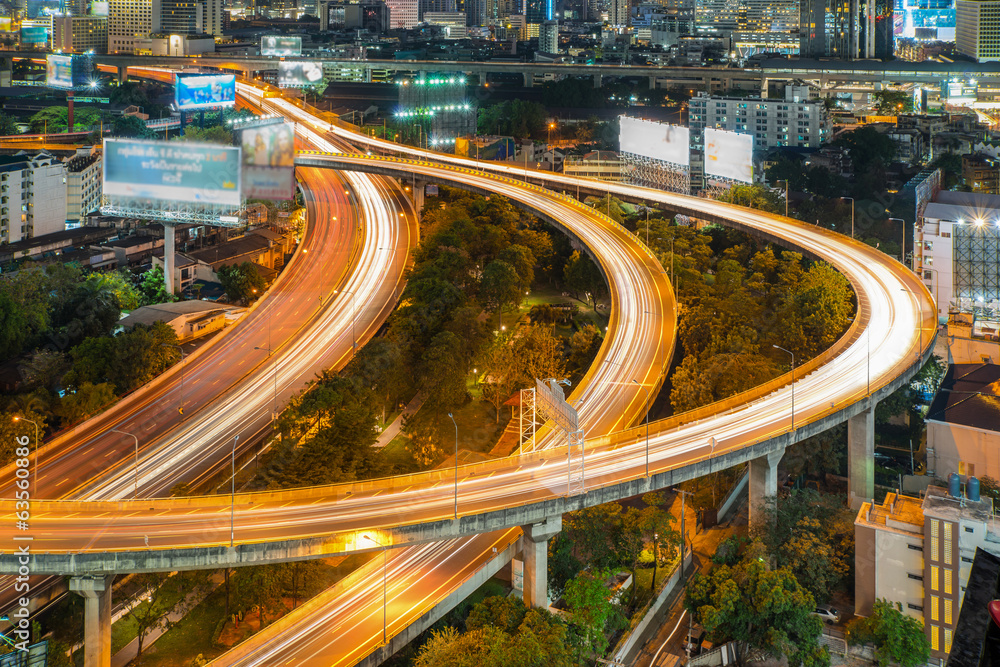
{"x":956,"y":447}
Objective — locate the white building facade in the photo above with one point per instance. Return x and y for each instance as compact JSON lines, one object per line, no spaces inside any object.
{"x":32,"y":196}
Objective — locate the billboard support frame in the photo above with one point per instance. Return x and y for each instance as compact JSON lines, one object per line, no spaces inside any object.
{"x":182,"y":213}
{"x":653,"y":173}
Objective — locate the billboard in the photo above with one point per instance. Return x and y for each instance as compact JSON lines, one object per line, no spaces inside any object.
{"x":172,"y":172}
{"x":34,"y":36}
{"x":269,"y":161}
{"x":659,"y":141}
{"x":278,"y":45}
{"x":299,"y":74}
{"x":203,"y":91}
{"x":59,"y":71}
{"x":728,"y":155}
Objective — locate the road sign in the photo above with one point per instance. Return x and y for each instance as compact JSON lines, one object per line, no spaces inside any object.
{"x":552,"y":402}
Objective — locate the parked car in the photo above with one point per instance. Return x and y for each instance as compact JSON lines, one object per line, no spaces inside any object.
{"x":828,"y":614}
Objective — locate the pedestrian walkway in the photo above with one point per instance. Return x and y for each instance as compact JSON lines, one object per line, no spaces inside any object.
{"x":393,"y":429}
{"x":131,"y":650}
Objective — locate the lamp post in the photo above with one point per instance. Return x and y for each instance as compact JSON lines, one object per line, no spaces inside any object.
{"x":852,"y":214}
{"x":786,"y":195}
{"x":646,"y":389}
{"x":388,"y":249}
{"x":354,"y":316}
{"x":456,"y":463}
{"x":548,"y":137}
{"x":384,"y":624}
{"x":135,"y":493}
{"x":232,"y":496}
{"x":22,"y":419}
{"x":902,"y":248}
{"x":180,"y":408}
{"x":684,"y":495}
{"x":793,"y":381}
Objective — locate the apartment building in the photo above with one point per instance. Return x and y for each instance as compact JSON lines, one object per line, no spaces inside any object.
{"x":772,"y":122}
{"x":977,"y":29}
{"x":129,"y":20}
{"x":83,"y":187}
{"x":919,"y":552}
{"x":32,"y":196}
{"x":981,"y":173}
{"x":956,"y":250}
{"x":78,"y":34}
{"x":604,"y":165}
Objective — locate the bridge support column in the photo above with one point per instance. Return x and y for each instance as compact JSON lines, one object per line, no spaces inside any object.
{"x":122,"y":75}
{"x":861,"y":457}
{"x":168,"y":258}
{"x":763,"y":483}
{"x":96,"y":592}
{"x":535,"y":549}
{"x":529,"y":79}
{"x":598,"y":80}
{"x":417,"y":195}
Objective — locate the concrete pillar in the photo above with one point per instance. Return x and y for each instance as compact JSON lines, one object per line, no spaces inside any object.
{"x":419,"y":187}
{"x":597,"y":81}
{"x":529,"y":79}
{"x":96,"y":592}
{"x":535,"y":549}
{"x":168,"y":257}
{"x":652,"y":83}
{"x":861,"y":458}
{"x":122,"y":74}
{"x":763,"y":482}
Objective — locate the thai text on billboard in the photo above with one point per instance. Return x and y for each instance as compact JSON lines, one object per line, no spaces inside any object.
{"x":269,"y":161}
{"x":659,"y":141}
{"x":59,"y":71}
{"x":34,"y":35}
{"x":279,"y":45}
{"x":203,"y":91}
{"x":299,"y":74}
{"x":172,"y":172}
{"x":729,"y":155}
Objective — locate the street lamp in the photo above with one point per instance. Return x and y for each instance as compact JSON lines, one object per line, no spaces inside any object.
{"x":902,"y":248}
{"x":456,"y":463}
{"x":786,"y":195}
{"x":793,"y":381}
{"x":135,"y":494}
{"x":379,"y":544}
{"x":852,"y":214}
{"x":548,"y":137}
{"x":180,"y":408}
{"x":646,"y":389}
{"x":20,"y":419}
{"x":354,"y":316}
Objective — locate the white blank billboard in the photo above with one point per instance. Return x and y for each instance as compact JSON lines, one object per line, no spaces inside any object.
{"x":659,"y":141}
{"x":729,"y":155}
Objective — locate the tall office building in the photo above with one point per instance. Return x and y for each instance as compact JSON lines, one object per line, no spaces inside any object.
{"x":129,"y":20}
{"x":927,"y":19}
{"x":763,"y":25}
{"x":191,"y":17}
{"x":32,"y":196}
{"x":977,"y":29}
{"x":876,"y":29}
{"x":715,"y":17}
{"x":403,"y":13}
{"x":436,"y":7}
{"x":78,"y":34}
{"x":619,"y":13}
{"x":548,"y":37}
{"x":537,"y":12}
{"x":827,"y":28}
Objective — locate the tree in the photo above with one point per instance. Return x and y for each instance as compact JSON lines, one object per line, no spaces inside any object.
{"x":754,"y":196}
{"x":500,"y":286}
{"x":153,"y":288}
{"x":893,"y":102}
{"x":584,"y":346}
{"x":589,"y":601}
{"x":50,"y":119}
{"x":516,"y":118}
{"x":8,"y":125}
{"x":127,"y":361}
{"x":43,"y":369}
{"x":255,"y":588}
{"x":897,"y":637}
{"x":583,"y":277}
{"x":443,"y":373}
{"x":215,"y":134}
{"x":242,"y":282}
{"x":147,"y":603}
{"x":14,"y":434}
{"x":765,"y":612}
{"x":131,"y":127}
{"x":88,"y":400}
{"x":14,"y":329}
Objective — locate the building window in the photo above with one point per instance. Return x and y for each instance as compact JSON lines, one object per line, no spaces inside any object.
{"x":915,"y":577}
{"x":966,"y":559}
{"x":935,"y":642}
{"x":947,"y":612}
{"x":947,"y":543}
{"x":934,"y":608}
{"x":947,"y":581}
{"x":915,"y":547}
{"x":935,"y":578}
{"x":947,"y":640}
{"x":915,"y":607}
{"x":969,"y":530}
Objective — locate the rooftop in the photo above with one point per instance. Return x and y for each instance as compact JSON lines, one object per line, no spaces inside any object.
{"x":969,"y":395}
{"x":896,"y":511}
{"x":166,"y":312}
{"x":938,"y":504}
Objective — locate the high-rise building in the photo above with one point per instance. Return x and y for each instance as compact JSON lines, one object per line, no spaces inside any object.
{"x":827,"y":28}
{"x":977,"y":29}
{"x":927,"y":19}
{"x":764,"y":25}
{"x":548,"y":37}
{"x":403,"y":14}
{"x":876,"y":28}
{"x":211,"y":17}
{"x":83,"y":187}
{"x":436,"y":7}
{"x":715,"y":17}
{"x":453,"y":23}
{"x":129,"y":20}
{"x":620,"y":13}
{"x":32,"y":196}
{"x":537,"y":12}
{"x":191,"y":17}
{"x":772,"y":122}
{"x":78,"y":34}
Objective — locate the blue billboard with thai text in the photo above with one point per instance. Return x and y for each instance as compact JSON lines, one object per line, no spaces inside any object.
{"x":204,"y":91}
{"x":172,"y":172}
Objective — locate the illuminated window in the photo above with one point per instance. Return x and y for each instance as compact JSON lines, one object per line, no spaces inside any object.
{"x":934,"y":608}
{"x":935,"y":644}
{"x":947,"y":612}
{"x":935,"y":581}
{"x":947,"y":581}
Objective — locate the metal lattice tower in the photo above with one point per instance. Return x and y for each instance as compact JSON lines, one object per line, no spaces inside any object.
{"x":976,"y":269}
{"x":658,"y":174}
{"x":527,"y":421}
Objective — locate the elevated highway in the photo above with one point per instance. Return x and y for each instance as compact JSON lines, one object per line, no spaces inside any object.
{"x":184,"y":533}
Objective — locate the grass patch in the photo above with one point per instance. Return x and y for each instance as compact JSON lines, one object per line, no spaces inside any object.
{"x":125,"y":629}
{"x":477,"y":428}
